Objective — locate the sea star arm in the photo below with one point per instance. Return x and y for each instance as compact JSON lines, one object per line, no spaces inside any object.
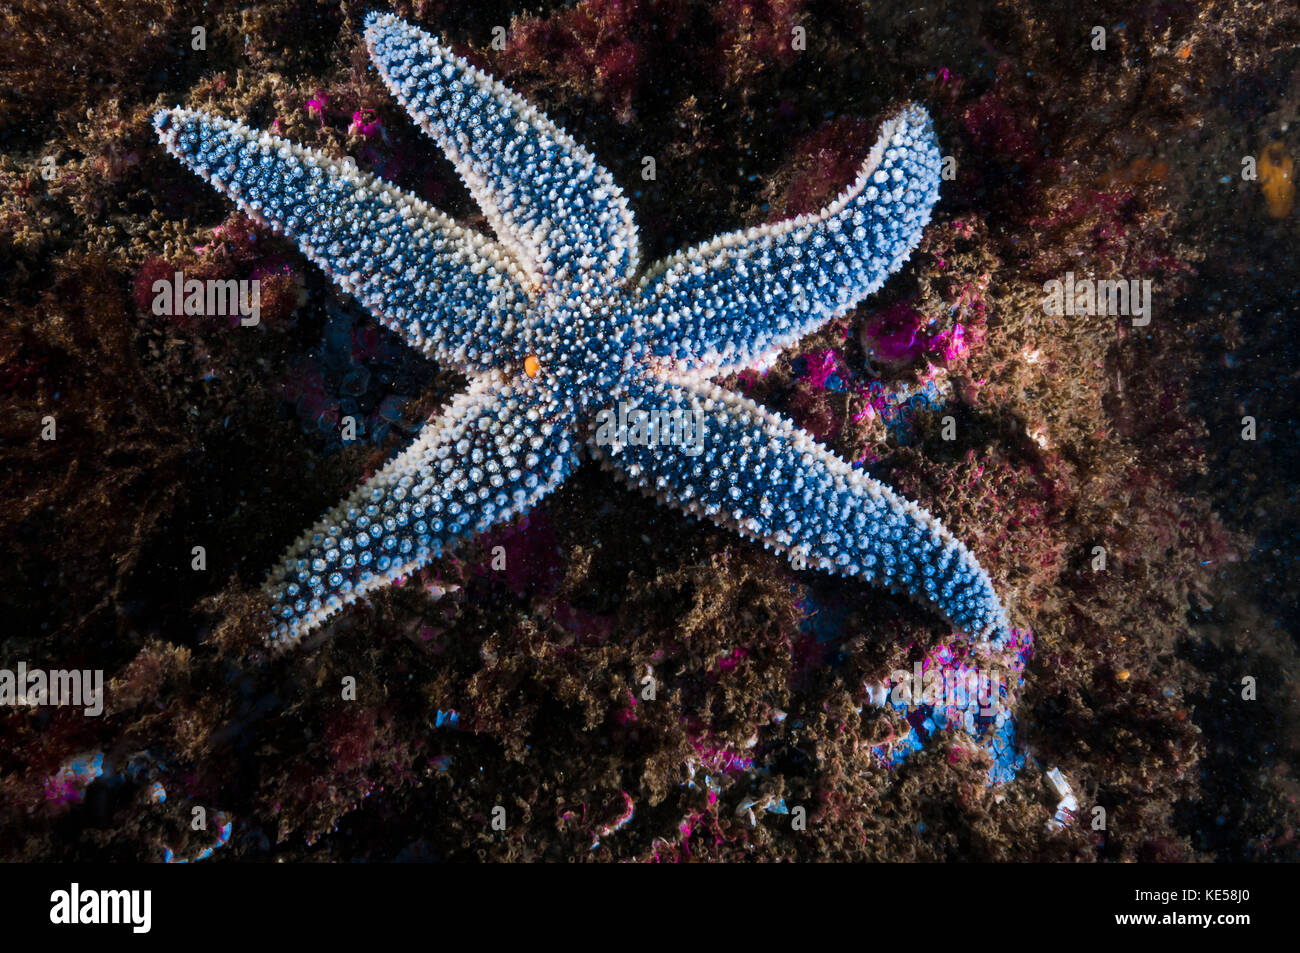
{"x":760,"y":475}
{"x":550,"y":203}
{"x":447,"y":291}
{"x":739,"y":299}
{"x":498,"y":449}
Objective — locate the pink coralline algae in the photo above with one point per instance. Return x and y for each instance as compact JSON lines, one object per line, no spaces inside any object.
{"x":951,"y":344}
{"x":622,"y":820}
{"x":898,"y":335}
{"x":994,"y":124}
{"x":820,"y":367}
{"x":596,"y":44}
{"x":365,"y":123}
{"x":233,"y":253}
{"x":737,"y":656}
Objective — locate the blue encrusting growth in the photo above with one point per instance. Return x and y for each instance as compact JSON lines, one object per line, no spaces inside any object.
{"x":553,"y":324}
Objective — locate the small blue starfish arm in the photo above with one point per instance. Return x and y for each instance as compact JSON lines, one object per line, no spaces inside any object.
{"x":447,"y":290}
{"x":552,"y":327}
{"x":739,"y":299}
{"x":760,"y":475}
{"x":498,"y":449}
{"x":565,"y":222}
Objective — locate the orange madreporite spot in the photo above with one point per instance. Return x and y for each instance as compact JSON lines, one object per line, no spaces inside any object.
{"x":1277,"y":179}
{"x":532,"y":365}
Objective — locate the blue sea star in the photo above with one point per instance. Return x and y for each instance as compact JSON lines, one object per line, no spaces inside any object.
{"x":552,"y":325}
